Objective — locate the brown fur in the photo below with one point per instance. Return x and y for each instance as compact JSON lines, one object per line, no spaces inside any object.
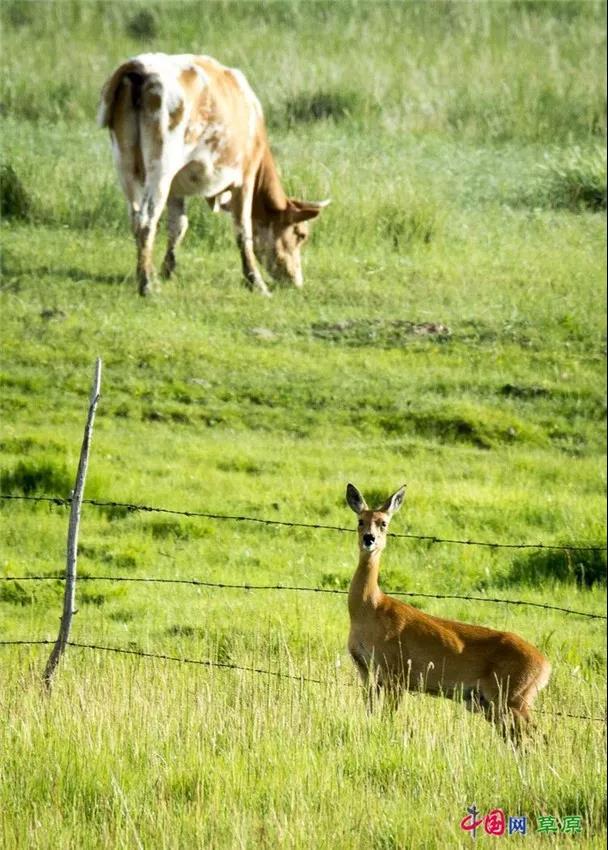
{"x":176,"y":116}
{"x":112,"y":88}
{"x":123,"y":122}
{"x":397,"y":647}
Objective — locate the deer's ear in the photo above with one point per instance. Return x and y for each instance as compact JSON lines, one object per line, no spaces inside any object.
{"x":394,"y":502}
{"x":355,"y":500}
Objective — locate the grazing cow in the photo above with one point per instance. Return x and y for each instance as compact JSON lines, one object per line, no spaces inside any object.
{"x":186,"y":125}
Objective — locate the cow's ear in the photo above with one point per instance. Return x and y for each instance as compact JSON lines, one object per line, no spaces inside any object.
{"x":302,"y":210}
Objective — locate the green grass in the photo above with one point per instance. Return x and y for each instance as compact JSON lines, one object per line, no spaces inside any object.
{"x":450,"y":335}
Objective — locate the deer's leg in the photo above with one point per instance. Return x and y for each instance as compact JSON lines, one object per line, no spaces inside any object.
{"x":177,"y":226}
{"x":393,"y":690}
{"x":371,"y":685}
{"x":473,"y":699}
{"x":518,"y":722}
{"x":242,"y":199}
{"x":507,"y":710}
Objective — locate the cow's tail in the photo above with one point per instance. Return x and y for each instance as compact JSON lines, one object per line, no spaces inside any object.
{"x":125,"y":86}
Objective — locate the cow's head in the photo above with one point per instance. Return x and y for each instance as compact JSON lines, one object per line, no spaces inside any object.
{"x":279,"y":239}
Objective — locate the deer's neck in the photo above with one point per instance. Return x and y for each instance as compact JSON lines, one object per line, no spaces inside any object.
{"x":364,"y":591}
{"x":269,"y":195}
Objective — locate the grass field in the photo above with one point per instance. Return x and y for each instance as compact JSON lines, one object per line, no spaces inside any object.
{"x":463,"y":146}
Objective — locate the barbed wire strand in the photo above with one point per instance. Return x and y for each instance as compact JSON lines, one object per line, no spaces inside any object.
{"x":303,"y":589}
{"x":223,"y":665}
{"x":430,"y":538}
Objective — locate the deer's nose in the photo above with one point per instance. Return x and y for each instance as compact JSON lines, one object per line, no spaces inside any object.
{"x":368,"y":539}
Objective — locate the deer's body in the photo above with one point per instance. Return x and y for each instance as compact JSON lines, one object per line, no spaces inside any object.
{"x":405,"y":649}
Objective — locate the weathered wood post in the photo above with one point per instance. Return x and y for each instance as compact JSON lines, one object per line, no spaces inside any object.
{"x":72,"y":544}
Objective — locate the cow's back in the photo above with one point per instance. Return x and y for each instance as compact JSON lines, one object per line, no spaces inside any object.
{"x":204,"y":112}
{"x":197,"y":90}
{"x":228,"y":100}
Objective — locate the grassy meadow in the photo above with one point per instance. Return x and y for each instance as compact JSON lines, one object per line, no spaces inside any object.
{"x":450,"y":335}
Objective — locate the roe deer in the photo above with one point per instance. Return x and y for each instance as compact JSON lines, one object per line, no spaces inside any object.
{"x":397,"y":647}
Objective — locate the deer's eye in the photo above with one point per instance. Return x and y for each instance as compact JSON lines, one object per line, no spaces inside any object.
{"x":360,"y":523}
{"x":382,"y":525}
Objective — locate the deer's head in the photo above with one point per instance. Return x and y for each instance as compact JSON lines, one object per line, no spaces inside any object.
{"x":373,"y":522}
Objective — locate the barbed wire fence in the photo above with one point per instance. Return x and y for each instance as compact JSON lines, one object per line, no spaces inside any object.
{"x":226,"y":665}
{"x":76,"y":500}
{"x":222,"y":585}
{"x":429,"y":538}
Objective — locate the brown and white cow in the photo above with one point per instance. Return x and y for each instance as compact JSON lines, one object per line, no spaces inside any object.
{"x":186,"y":125}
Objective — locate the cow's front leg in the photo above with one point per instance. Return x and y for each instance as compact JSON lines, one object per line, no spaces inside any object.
{"x":177,"y":227}
{"x":145,"y":243}
{"x":241,"y":210}
{"x":251,"y":273}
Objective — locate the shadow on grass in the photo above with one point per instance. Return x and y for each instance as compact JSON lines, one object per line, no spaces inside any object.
{"x":584,"y":568}
{"x":12,"y":270}
{"x":30,"y":477}
{"x":81,"y":276}
{"x":71,"y":273}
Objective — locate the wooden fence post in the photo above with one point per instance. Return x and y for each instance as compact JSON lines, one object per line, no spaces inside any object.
{"x":72,"y":544}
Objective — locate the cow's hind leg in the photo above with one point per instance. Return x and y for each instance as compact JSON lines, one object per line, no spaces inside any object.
{"x":146,"y":224}
{"x":177,"y":226}
{"x":161,"y":151}
{"x":127,"y":149}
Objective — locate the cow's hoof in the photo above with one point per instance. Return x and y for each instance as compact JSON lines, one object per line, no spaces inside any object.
{"x":256,"y":283}
{"x":167,"y":268}
{"x":144,"y":283}
{"x":260,"y":290}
